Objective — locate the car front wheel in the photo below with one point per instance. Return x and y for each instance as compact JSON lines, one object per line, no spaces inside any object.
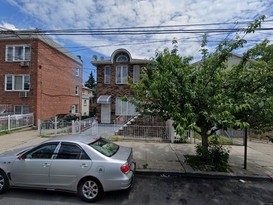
{"x":90,"y":190}
{"x":4,"y":182}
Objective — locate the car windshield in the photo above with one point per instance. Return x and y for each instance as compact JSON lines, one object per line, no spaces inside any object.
{"x":105,"y":147}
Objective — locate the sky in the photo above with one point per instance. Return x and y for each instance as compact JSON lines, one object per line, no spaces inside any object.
{"x":141,"y":15}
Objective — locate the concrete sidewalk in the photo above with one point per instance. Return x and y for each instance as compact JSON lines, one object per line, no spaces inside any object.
{"x":169,"y":158}
{"x":166,"y":157}
{"x":20,"y":139}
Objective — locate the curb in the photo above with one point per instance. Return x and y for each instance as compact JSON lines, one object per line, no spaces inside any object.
{"x":203,"y":175}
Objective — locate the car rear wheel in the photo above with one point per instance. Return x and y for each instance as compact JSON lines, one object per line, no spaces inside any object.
{"x":90,"y":190}
{"x":4,"y":182}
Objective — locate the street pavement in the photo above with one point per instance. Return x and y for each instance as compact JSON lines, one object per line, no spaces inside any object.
{"x":167,"y":158}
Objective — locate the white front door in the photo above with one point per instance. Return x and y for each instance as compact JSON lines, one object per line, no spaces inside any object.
{"x":105,"y":113}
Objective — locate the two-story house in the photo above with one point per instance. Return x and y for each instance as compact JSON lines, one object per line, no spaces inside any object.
{"x":112,"y":84}
{"x":38,"y":76}
{"x":87,"y":96}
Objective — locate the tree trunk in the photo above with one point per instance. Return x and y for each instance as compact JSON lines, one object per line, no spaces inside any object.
{"x":204,"y":139}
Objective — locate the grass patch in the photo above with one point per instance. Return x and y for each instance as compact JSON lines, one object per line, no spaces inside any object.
{"x":115,"y":138}
{"x":46,"y":136}
{"x":197,"y":163}
{"x":225,"y":141}
{"x":222,"y":140}
{"x":5,"y":132}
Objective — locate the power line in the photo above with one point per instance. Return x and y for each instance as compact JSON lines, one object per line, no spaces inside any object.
{"x":148,"y":30}
{"x":142,"y":32}
{"x":186,"y":40}
{"x":150,"y":27}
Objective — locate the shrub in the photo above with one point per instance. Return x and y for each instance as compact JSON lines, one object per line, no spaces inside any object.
{"x":183,"y":139}
{"x":214,"y":158}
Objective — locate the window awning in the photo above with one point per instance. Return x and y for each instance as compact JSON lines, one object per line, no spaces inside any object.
{"x":104,"y":99}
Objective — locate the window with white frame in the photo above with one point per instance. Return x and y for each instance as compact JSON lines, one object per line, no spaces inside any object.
{"x":124,"y":108}
{"x":75,"y":109}
{"x":76,"y":90}
{"x":77,"y":72}
{"x":122,"y":74}
{"x":21,"y":109}
{"x":17,"y":83}
{"x":17,"y":53}
{"x":107,"y":75}
{"x":122,"y":58}
{"x":136,"y":73}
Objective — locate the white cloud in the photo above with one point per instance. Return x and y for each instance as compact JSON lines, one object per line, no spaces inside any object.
{"x":8,"y":26}
{"x":93,"y":14}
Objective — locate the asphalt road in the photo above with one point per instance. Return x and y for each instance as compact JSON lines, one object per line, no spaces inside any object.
{"x":160,"y":189}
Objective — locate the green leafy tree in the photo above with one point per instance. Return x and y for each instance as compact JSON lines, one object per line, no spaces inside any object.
{"x":206,"y":96}
{"x":90,"y":83}
{"x":262,"y":52}
{"x":255,"y":84}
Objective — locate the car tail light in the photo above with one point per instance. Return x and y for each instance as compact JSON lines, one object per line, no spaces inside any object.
{"x":125,"y":168}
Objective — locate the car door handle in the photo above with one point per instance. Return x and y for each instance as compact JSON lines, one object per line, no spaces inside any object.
{"x":84,"y":165}
{"x":46,"y":165}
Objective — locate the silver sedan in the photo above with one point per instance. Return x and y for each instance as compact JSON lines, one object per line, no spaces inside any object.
{"x":79,"y":164}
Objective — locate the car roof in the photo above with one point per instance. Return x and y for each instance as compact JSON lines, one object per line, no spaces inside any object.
{"x":86,"y":139}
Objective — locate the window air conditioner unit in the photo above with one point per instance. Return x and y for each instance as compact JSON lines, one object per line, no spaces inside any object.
{"x":24,"y":63}
{"x":23,"y":94}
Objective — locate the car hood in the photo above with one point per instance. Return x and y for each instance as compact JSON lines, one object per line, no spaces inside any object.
{"x":123,"y":153}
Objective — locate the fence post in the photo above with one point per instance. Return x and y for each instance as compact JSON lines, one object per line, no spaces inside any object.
{"x":32,"y":118}
{"x":171,"y":130}
{"x":114,"y":125}
{"x":95,"y":128}
{"x":9,"y":122}
{"x":78,"y":123}
{"x":73,"y":127}
{"x":39,"y":127}
{"x":191,"y":133}
{"x":55,"y":125}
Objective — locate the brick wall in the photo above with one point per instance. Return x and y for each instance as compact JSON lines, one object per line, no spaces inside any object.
{"x":52,"y":78}
{"x":57,"y":81}
{"x":11,"y":97}
{"x":113,"y":89}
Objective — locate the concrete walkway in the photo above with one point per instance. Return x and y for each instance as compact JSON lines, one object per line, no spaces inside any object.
{"x":169,"y":158}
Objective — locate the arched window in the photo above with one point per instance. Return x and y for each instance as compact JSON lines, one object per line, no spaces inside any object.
{"x":122,"y":58}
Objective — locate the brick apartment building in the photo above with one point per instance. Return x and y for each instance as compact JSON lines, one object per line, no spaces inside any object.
{"x":38,"y":76}
{"x":112,"y":84}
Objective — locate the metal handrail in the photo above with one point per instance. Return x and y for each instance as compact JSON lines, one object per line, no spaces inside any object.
{"x":120,"y":121}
